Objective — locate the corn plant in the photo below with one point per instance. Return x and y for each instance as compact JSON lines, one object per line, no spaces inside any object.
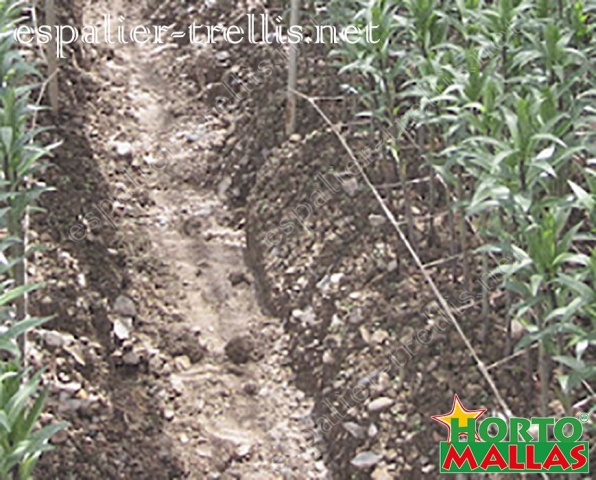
{"x":521,"y":155}
{"x":500,"y":95}
{"x":379,"y":69}
{"x":21,"y":443}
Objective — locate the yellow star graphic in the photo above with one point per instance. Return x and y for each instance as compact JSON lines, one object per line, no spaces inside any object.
{"x":461,"y":413}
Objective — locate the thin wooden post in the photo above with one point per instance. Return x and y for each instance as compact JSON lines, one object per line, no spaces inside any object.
{"x":52,"y":57}
{"x":292,"y":74}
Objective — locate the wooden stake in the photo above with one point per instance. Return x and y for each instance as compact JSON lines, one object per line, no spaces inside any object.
{"x":292,"y":75}
{"x":52,"y":57}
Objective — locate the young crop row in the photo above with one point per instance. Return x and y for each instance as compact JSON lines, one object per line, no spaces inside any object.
{"x":21,"y":401}
{"x":500,"y":96}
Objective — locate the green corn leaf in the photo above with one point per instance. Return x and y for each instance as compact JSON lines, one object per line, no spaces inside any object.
{"x":25,"y":325}
{"x":566,"y":312}
{"x":17,"y":292}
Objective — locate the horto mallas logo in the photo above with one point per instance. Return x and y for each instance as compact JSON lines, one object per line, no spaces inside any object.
{"x":538,"y":444}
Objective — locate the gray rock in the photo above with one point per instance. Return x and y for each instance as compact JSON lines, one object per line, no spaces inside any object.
{"x":366,"y":460}
{"x":354,"y":429}
{"x":379,"y":336}
{"x":328,"y":358}
{"x":71,"y":405}
{"x":392,"y":266}
{"x":240,"y":349}
{"x":243,"y":451}
{"x":125,"y":306}
{"x":351,"y":186}
{"x":372,"y":430}
{"x":53,"y":339}
{"x":377,"y":220}
{"x":121,"y":328}
{"x":305,"y":316}
{"x":380,"y":404}
{"x":356,"y":316}
{"x":223,"y":187}
{"x":222,"y":55}
{"x":131,"y":358}
{"x":71,"y":387}
{"x":123,"y":149}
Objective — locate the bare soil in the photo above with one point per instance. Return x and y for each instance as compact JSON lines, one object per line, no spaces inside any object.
{"x":196,"y":335}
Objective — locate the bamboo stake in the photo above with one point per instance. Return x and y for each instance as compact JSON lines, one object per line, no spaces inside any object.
{"x":462,"y":231}
{"x":292,"y":75}
{"x":52,"y":57}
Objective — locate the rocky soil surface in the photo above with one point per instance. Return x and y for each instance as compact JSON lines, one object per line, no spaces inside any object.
{"x":231,"y":303}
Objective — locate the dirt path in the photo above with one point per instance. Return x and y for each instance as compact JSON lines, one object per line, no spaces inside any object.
{"x":230,"y":419}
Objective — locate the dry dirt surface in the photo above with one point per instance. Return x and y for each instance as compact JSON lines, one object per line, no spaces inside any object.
{"x":196,"y":335}
{"x":159,"y":355}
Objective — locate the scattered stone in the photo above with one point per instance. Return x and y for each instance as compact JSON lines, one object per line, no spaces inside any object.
{"x":323,"y":283}
{"x":53,"y":339}
{"x":243,"y":451}
{"x":125,"y":306}
{"x":336,"y":322}
{"x":182,"y":363}
{"x":377,"y":220}
{"x":168,"y":414}
{"x":192,"y":138}
{"x":372,"y":430}
{"x":391,"y":454}
{"x":222,"y":56}
{"x":223,"y":187}
{"x":295,"y":138}
{"x":382,"y":382}
{"x":379,"y":336}
{"x":392,"y":266}
{"x":71,"y":387}
{"x":76,"y":352}
{"x":250,"y":388}
{"x":82,"y":280}
{"x":364,"y":334}
{"x":336,"y":278}
{"x":122,"y":327}
{"x":305,"y":316}
{"x":351,"y":187}
{"x":236,"y":278}
{"x":177,"y":385}
{"x":183,"y":341}
{"x":380,"y":404}
{"x":155,"y":364}
{"x":517,"y":329}
{"x":131,"y":358}
{"x":123,"y":149}
{"x":69,"y":405}
{"x":149,"y":160}
{"x":328,"y":358}
{"x":240,"y":349}
{"x":382,"y":473}
{"x":354,"y":429}
{"x":366,"y":460}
